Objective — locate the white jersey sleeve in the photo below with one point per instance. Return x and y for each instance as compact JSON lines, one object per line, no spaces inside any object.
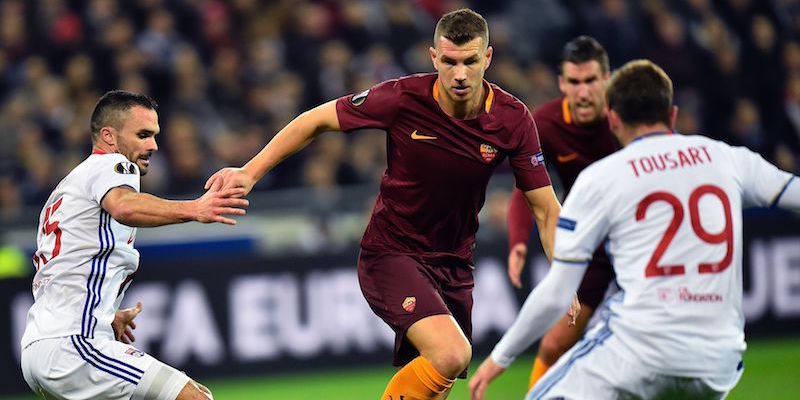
{"x":115,"y":171}
{"x":790,"y":196}
{"x":762,"y":183}
{"x":583,"y":222}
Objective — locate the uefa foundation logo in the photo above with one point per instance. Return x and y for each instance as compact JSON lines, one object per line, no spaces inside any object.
{"x":684,"y":295}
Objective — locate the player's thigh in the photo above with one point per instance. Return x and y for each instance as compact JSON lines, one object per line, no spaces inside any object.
{"x":75,"y":367}
{"x":399,"y":289}
{"x":163,"y":382}
{"x":438,"y":334}
{"x":194,"y":391}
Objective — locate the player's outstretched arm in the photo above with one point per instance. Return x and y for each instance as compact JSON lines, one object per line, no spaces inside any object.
{"x":132,"y":208}
{"x":545,"y":207}
{"x":291,"y":139}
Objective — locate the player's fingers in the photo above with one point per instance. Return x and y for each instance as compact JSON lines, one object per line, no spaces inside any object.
{"x":232,"y":192}
{"x":476,"y":393}
{"x":211,"y":180}
{"x":131,"y":338}
{"x":230,"y":211}
{"x":223,"y":220}
{"x":515,"y":279}
{"x":132,"y":325}
{"x":234,"y":202}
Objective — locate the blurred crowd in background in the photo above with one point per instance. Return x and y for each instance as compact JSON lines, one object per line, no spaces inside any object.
{"x":229,"y":74}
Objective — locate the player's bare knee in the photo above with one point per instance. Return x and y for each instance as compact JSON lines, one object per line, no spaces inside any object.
{"x":451,"y":361}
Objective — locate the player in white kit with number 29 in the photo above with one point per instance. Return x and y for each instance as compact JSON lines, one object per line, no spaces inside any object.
{"x":85,"y":261}
{"x":671,"y":208}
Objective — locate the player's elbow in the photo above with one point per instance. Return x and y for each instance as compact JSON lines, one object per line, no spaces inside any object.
{"x":123,"y":213}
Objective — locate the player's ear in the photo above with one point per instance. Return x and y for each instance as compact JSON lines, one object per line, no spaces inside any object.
{"x":108,"y":136}
{"x":434,"y":61}
{"x":489,"y":53}
{"x":614,"y":123}
{"x":673,"y":118}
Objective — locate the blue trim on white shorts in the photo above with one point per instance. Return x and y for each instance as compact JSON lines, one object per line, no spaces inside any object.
{"x":583,"y":348}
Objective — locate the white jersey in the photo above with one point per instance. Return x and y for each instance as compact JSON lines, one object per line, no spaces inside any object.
{"x":84,"y":259}
{"x":671,"y":207}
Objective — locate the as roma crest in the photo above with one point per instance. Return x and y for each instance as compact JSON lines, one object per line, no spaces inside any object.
{"x":410,"y":304}
{"x":488,"y":153}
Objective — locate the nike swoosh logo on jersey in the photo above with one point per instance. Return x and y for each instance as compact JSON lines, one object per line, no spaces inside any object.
{"x":567,"y":157}
{"x":419,"y":136}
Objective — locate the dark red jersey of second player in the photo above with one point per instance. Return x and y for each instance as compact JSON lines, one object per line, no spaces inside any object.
{"x":568,"y":148}
{"x":439,"y":166}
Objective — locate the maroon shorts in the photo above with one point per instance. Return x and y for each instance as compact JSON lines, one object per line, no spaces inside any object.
{"x":402,"y":290}
{"x":599,"y":275}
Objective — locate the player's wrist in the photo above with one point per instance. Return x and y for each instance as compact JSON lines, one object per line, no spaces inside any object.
{"x":502,"y":360}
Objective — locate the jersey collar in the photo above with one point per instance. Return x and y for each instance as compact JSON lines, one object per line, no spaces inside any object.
{"x":487,"y":105}
{"x":649,"y":134}
{"x":565,"y":112}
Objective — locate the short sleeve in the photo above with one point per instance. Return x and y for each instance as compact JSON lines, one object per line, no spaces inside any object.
{"x":374,"y":108}
{"x":761,"y":181}
{"x":583,"y":222}
{"x":527,"y":160}
{"x":112,"y":170}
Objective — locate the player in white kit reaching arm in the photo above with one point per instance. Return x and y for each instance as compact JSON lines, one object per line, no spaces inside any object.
{"x":85,"y":260}
{"x":670,"y":207}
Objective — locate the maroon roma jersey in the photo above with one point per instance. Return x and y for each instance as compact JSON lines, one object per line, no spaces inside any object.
{"x":567,"y":147}
{"x":439,"y":166}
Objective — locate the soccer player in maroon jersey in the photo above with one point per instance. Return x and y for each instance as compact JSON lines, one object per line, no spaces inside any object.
{"x":574,"y":132}
{"x":446,"y":132}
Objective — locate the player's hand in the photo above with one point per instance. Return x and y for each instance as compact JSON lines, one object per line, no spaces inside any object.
{"x":482,"y":377}
{"x":123,"y":324}
{"x":574,"y":310}
{"x":215,"y":204}
{"x":228,"y":178}
{"x":516,"y":263}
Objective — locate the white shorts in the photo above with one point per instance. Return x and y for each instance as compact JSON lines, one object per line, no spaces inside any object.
{"x":75,"y":367}
{"x":592,"y":369}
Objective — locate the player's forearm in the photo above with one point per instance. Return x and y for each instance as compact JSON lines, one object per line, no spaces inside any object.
{"x":545,"y":305}
{"x":520,"y":219}
{"x":294,"y":137}
{"x":545,"y":208}
{"x":146,"y":210}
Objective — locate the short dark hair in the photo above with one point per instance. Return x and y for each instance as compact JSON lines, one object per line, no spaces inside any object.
{"x":461,"y":26}
{"x":640,"y":92}
{"x":583,"y":49}
{"x":110,"y":108}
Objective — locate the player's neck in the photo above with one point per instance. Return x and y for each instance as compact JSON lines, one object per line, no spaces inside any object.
{"x":641,"y":131}
{"x":102,"y":148}
{"x":463,"y":109}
